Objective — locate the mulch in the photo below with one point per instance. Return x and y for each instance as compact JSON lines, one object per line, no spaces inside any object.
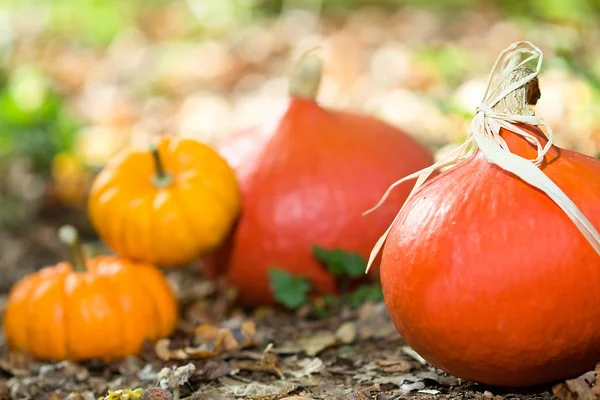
{"x":266,"y":353}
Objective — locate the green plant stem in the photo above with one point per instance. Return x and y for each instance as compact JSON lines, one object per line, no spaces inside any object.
{"x":161,"y":178}
{"x":70,"y":237}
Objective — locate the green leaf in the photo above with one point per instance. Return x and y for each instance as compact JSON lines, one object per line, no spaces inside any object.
{"x":340,"y":262}
{"x":289,"y":290}
{"x":365,"y":293}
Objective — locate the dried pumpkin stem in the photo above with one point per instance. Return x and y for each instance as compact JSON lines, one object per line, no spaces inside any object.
{"x":518,"y":101}
{"x":70,"y":237}
{"x":161,"y":178}
{"x":306,"y":76}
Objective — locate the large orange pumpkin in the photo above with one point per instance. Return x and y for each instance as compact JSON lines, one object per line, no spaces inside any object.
{"x":166,"y":206}
{"x":306,"y":178}
{"x":104,"y":307}
{"x":488,"y":279}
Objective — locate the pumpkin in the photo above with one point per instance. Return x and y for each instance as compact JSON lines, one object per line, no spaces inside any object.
{"x":306,"y":177}
{"x":166,"y":206}
{"x":483,"y":273}
{"x":103,"y":307}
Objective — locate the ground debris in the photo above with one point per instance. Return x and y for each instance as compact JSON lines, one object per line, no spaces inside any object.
{"x":256,"y":390}
{"x":313,"y":345}
{"x":269,"y":363}
{"x":374,"y":322}
{"x":321,"y":340}
{"x":584,"y":387}
{"x":352,"y":355}
{"x":394,"y":366}
{"x":355,"y":367}
{"x":210,"y":370}
{"x":307,"y":367}
{"x":17,"y":364}
{"x":211,"y":396}
{"x":210,"y":340}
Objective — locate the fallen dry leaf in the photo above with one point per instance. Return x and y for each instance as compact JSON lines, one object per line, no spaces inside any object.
{"x":308,"y":367}
{"x":239,"y":336}
{"x":269,"y":363}
{"x":346,"y":333}
{"x":408,"y":382}
{"x":246,"y":365}
{"x":318,"y":342}
{"x":395,"y":366}
{"x":213,"y":395}
{"x":163,"y":351}
{"x":213,"y":369}
{"x":64,"y":368}
{"x":210,"y":341}
{"x":596,"y":388}
{"x":297,"y":398}
{"x":374,"y":321}
{"x":579,"y":388}
{"x":169,"y":378}
{"x":364,"y":395}
{"x":321,"y":340}
{"x":16,"y":364}
{"x":429,"y":391}
{"x":256,"y":390}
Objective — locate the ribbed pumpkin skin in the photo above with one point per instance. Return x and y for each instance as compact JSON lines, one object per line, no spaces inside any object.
{"x":172,"y":225}
{"x":489,"y":280}
{"x":315,"y":171}
{"x":106,"y":312}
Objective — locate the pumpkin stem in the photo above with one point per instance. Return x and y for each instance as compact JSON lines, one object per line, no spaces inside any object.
{"x":533,"y":91}
{"x":161,"y":178}
{"x":70,"y":237}
{"x":306,"y":76}
{"x":518,"y":101}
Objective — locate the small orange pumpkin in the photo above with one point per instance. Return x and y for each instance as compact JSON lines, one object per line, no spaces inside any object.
{"x":103,"y":307}
{"x":165,"y":206}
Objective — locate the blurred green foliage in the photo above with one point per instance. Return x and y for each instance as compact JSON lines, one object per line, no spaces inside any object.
{"x":572,"y":10}
{"x":97,"y":22}
{"x":93,"y":22}
{"x":33,"y":121}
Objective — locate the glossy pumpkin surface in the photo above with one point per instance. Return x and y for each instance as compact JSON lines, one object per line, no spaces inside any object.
{"x":105,"y":312}
{"x":311,"y":175}
{"x":489,"y":280}
{"x":171,"y":221}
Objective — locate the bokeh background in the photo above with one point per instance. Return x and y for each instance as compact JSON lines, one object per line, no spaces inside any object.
{"x":82,"y":79}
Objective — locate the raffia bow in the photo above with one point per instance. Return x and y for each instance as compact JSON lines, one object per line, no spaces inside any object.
{"x":510,"y":72}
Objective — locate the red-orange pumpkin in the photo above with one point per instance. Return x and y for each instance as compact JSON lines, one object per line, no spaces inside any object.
{"x":489,"y":280}
{"x":306,"y":178}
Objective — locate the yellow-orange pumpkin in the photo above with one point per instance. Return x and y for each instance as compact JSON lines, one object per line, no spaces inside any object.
{"x":103,"y":307}
{"x":166,"y":206}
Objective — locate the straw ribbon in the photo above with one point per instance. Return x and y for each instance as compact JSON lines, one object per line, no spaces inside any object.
{"x":509,"y":73}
